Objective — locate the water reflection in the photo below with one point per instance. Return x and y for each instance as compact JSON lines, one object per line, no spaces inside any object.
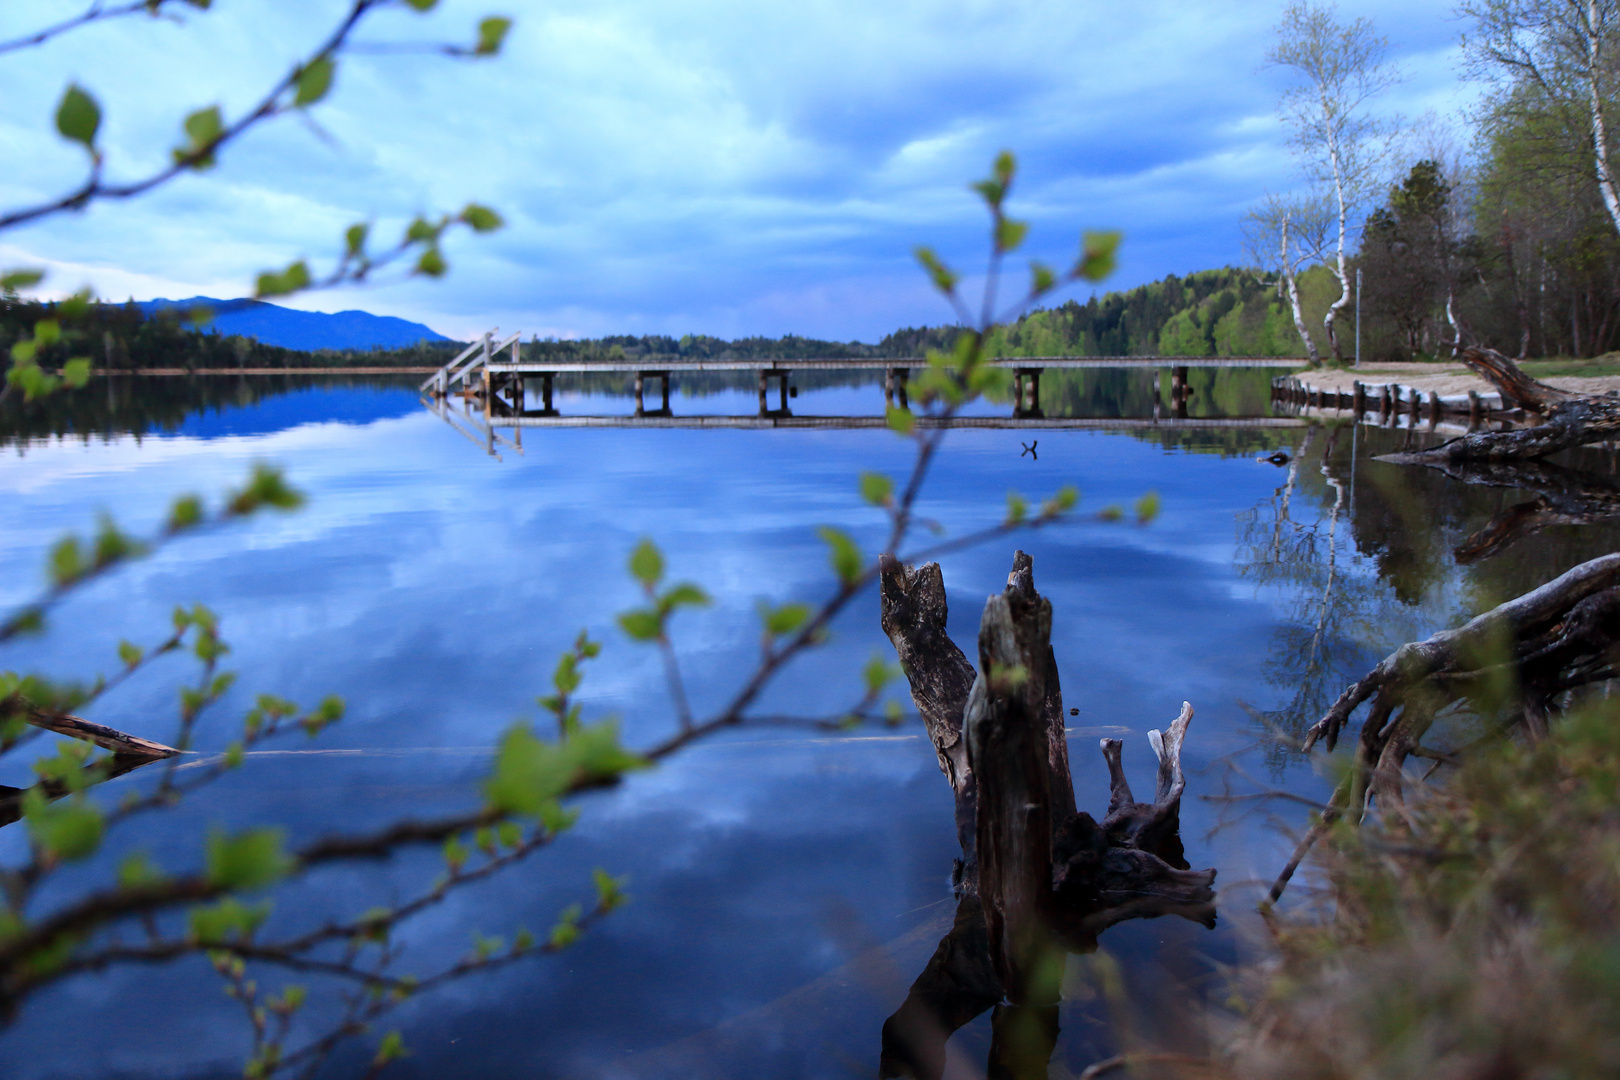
{"x":770,"y":875}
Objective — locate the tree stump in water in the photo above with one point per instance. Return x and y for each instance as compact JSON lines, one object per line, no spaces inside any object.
{"x":1037,"y":877}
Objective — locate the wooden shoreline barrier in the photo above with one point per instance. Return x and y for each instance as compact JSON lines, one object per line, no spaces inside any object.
{"x":1392,"y":401}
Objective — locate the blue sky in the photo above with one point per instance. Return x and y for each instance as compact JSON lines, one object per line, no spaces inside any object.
{"x":713,"y":166}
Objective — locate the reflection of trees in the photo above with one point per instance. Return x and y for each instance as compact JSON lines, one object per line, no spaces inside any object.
{"x":1359,"y":554}
{"x":1331,"y":609}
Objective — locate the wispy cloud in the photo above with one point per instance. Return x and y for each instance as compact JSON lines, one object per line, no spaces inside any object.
{"x":719,"y":166}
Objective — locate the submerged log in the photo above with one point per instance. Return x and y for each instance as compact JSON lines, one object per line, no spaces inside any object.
{"x":1568,"y":419}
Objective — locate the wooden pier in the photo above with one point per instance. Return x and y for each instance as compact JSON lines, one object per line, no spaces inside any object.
{"x":493,"y":370}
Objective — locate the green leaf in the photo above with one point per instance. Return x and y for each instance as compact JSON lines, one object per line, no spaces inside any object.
{"x":78,"y":117}
{"x":878,"y":673}
{"x":455,"y":854}
{"x":1042,"y":279}
{"x":313,"y":82}
{"x":1098,"y":255}
{"x":76,"y":372}
{"x":422,"y":5}
{"x":944,"y":280}
{"x":354,"y":239}
{"x":392,"y":1046}
{"x":877,"y":489}
{"x":12,"y":280}
{"x":47,"y":332}
{"x":481,"y":218}
{"x":1017,"y":508}
{"x":1066,"y":499}
{"x":227,"y":920}
{"x":68,"y":830}
{"x":66,"y":562}
{"x":642,"y":624}
{"x":432,"y":263}
{"x":683,"y":595}
{"x":266,"y":486}
{"x":844,"y":556}
{"x":290,"y":280}
{"x":901,"y":421}
{"x":203,"y":128}
{"x":247,"y":860}
{"x":647,"y":564}
{"x":1010,"y":234}
{"x":130,"y":653}
{"x":491,"y":33}
{"x":1147,"y":508}
{"x":566,"y":932}
{"x":609,"y":890}
{"x":186,"y":513}
{"x":137,"y":870}
{"x":528,"y":773}
{"x":785,"y":619}
{"x":1004,"y":167}
{"x":233,"y":755}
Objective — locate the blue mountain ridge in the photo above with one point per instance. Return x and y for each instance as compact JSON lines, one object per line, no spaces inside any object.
{"x":305,"y":330}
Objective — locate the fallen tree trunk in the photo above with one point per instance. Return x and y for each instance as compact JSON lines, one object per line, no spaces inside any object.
{"x":1568,"y":419}
{"x":1561,"y":636}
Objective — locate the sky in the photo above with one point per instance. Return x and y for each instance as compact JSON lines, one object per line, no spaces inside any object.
{"x":714,"y":167}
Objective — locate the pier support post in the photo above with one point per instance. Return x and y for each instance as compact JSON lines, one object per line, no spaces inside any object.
{"x":1435,"y":409}
{"x":902,"y":379}
{"x":782,"y":389}
{"x":1027,"y":393}
{"x":1476,"y":409}
{"x":1178,"y":392}
{"x":764,"y":382}
{"x":640,"y":378}
{"x":1358,"y":399}
{"x":545,"y":391}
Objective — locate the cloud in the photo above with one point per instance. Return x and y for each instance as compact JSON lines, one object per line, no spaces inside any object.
{"x":718,"y":166}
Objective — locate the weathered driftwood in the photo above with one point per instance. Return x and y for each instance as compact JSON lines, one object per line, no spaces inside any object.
{"x":1567,"y":419}
{"x":1007,"y":749}
{"x":1556,"y":638}
{"x":913,"y":613}
{"x":105,"y":737}
{"x":1563,"y":497}
{"x":1085,"y":877}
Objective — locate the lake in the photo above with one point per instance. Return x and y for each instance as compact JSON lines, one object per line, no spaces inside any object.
{"x":786,"y":882}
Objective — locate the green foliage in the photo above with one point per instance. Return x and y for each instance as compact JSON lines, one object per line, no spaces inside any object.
{"x":842,"y":553}
{"x":877,"y":489}
{"x":67,"y":830}
{"x":247,"y":860}
{"x":785,"y":619}
{"x":227,"y":921}
{"x":78,"y":117}
{"x":531,"y":774}
{"x":313,"y":82}
{"x":647,"y":564}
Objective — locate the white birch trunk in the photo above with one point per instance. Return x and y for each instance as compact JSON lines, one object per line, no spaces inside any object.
{"x":1340,"y":269}
{"x":1293,"y":298}
{"x":1600,"y":134}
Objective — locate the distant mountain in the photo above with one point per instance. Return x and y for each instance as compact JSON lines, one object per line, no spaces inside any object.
{"x":304,"y":330}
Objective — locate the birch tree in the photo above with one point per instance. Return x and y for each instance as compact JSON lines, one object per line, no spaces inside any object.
{"x":1565,"y":49}
{"x":1340,"y":69}
{"x":1285,"y":236}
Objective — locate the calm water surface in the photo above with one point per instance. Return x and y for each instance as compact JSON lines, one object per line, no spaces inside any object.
{"x":787,"y":884}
